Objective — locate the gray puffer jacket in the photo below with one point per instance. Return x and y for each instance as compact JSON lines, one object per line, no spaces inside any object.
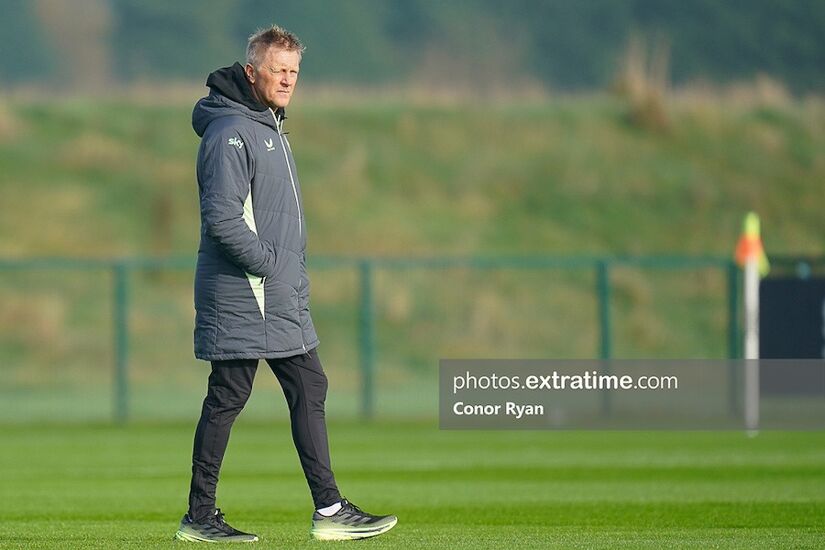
{"x":251,"y":285}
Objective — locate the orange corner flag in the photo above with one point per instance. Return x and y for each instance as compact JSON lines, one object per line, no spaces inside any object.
{"x":750,"y":245}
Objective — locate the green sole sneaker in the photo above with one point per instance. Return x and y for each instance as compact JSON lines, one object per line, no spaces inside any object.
{"x":352,"y":533}
{"x":350,"y":523}
{"x":214,"y":529}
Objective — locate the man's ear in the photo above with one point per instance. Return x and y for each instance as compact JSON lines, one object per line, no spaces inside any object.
{"x":249,"y":71}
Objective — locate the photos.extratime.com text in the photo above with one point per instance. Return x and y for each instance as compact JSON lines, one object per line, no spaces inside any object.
{"x":587,"y":380}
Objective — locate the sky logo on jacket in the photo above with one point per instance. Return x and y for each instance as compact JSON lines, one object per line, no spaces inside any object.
{"x":236,"y":142}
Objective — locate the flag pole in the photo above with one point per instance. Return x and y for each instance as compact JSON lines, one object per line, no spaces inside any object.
{"x":750,"y":254}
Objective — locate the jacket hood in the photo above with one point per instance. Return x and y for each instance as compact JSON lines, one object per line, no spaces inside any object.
{"x":231,"y":94}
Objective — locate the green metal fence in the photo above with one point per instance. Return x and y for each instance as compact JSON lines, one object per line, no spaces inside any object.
{"x":123,"y":269}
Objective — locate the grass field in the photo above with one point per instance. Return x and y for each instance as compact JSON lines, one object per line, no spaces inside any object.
{"x":108,"y":487}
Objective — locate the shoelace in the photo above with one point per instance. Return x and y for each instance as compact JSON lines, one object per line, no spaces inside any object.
{"x":221,"y":523}
{"x":353,"y":507}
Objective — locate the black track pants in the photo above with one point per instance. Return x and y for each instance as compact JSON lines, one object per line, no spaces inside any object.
{"x":230,"y":384}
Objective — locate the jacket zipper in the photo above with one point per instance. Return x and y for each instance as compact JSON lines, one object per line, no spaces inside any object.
{"x":297,"y":204}
{"x":289,"y":169}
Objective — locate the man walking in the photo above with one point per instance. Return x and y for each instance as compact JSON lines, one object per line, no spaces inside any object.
{"x":252,"y":290}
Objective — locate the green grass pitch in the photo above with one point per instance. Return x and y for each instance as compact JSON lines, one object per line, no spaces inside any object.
{"x":109,"y":487}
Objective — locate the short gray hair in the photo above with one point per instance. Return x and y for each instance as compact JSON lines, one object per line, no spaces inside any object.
{"x":273,"y":36}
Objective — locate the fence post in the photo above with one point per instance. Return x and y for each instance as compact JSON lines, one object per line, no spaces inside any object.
{"x":603,"y":299}
{"x":366,"y":339}
{"x":121,"y":340}
{"x":733,"y":337}
{"x":733,"y":310}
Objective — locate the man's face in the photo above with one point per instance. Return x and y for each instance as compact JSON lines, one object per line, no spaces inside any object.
{"x":274,"y":81}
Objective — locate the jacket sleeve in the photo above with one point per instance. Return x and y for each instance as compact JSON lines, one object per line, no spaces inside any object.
{"x":225,"y":177}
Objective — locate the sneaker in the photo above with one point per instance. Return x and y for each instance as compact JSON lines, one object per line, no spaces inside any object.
{"x":212,"y":529}
{"x":350,"y":522}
